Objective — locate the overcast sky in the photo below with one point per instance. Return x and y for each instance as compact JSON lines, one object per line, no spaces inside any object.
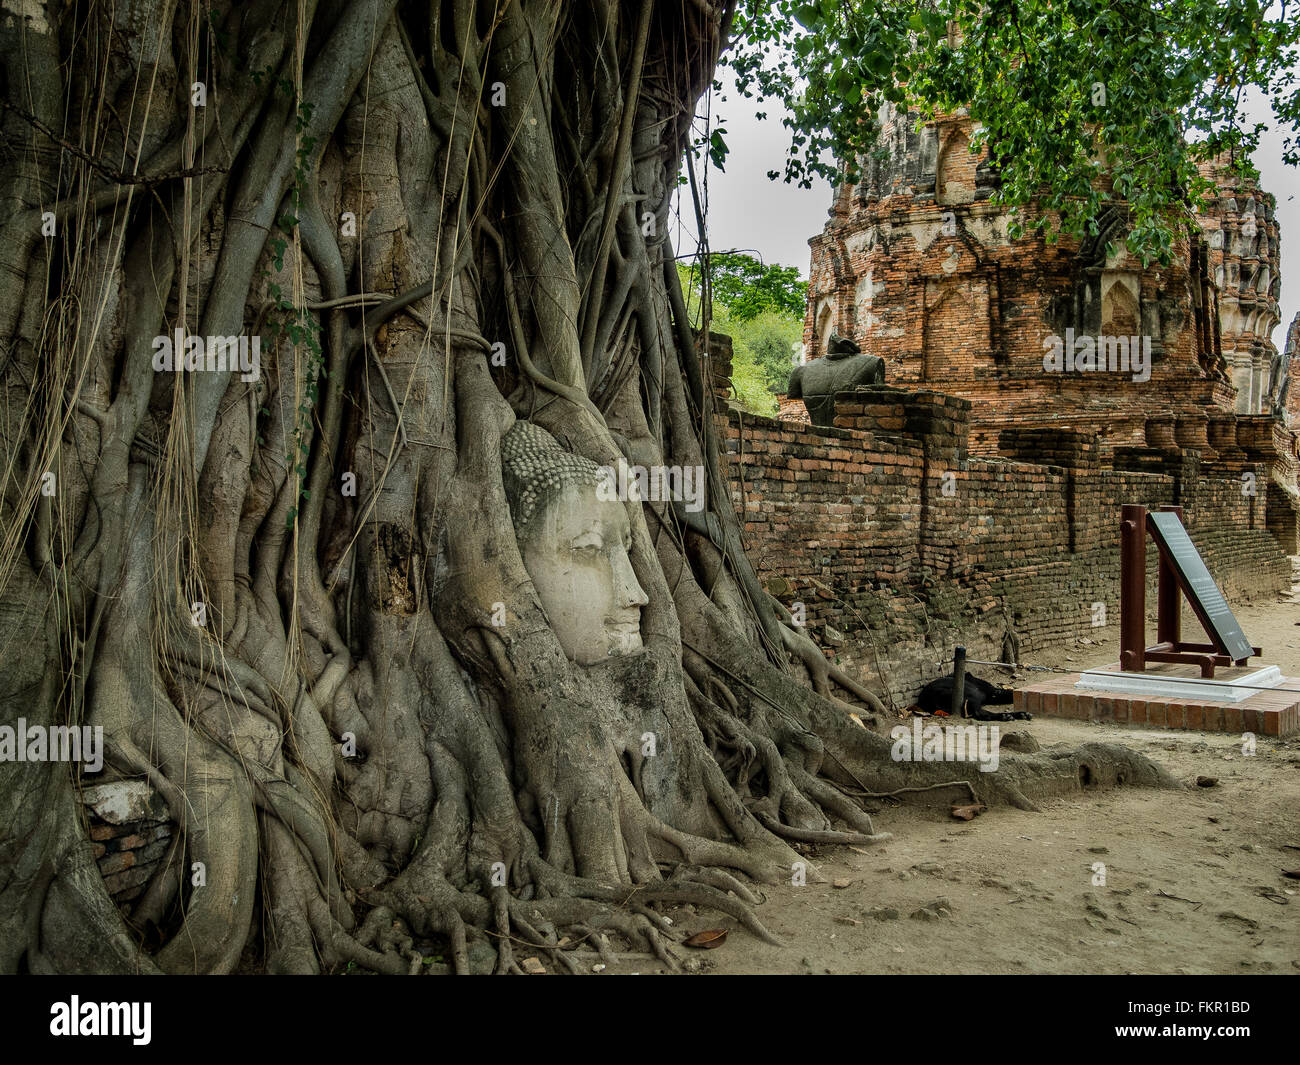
{"x":774,"y":221}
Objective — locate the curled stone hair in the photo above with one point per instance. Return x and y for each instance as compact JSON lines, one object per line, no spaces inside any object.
{"x":536,"y":469}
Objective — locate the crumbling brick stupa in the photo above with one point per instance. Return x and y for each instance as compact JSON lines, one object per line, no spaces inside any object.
{"x":1242,"y":238}
{"x":917,"y":266}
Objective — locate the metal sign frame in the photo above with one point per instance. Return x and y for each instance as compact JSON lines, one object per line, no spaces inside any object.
{"x":1228,"y":645}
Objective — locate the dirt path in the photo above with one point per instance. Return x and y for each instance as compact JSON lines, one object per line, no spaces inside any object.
{"x":1017,"y":888}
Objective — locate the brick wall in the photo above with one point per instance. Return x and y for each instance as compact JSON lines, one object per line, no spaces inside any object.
{"x":900,"y":544}
{"x":130,"y":834}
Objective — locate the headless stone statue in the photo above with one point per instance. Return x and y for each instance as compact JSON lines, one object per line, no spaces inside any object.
{"x":843,"y":367}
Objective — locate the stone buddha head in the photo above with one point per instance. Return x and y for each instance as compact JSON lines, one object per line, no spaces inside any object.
{"x":574,"y":545}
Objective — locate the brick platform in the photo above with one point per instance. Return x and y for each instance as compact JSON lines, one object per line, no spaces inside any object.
{"x":1266,"y":713}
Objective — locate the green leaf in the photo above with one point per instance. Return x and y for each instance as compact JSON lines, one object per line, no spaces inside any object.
{"x":808,"y":16}
{"x":718,"y":149}
{"x":879,"y":63}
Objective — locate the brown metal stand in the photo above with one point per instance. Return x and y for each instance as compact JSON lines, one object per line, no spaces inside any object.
{"x":1133,"y":652}
{"x":1133,"y":588}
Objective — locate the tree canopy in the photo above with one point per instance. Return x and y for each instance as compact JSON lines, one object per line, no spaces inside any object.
{"x":748,"y":286}
{"x":1079,"y":101}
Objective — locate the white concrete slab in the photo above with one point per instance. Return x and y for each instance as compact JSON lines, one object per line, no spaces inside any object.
{"x":1163,"y":686}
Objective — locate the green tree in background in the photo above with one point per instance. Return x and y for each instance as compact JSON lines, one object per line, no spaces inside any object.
{"x":774,"y":355}
{"x":761,"y":307}
{"x":747,"y":287}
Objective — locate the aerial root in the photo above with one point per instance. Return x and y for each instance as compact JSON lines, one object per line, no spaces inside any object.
{"x":812,"y":835}
{"x":599,"y":940}
{"x":380,"y":944}
{"x":346,"y":948}
{"x":710,"y":898}
{"x":658,"y":941}
{"x":686,"y":886}
{"x":837,"y":803}
{"x":822,"y":672}
{"x":783,"y":791}
{"x":719,"y":879}
{"x":588,"y":919}
{"x":501,"y":919}
{"x":699,"y":851}
{"x":550,"y":947}
{"x":451,"y":920}
{"x":1019,"y":799}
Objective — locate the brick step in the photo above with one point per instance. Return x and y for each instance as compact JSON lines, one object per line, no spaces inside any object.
{"x":1266,"y":713}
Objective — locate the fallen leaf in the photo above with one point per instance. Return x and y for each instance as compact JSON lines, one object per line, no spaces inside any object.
{"x":1207,"y":782}
{"x":968,"y":812}
{"x":841,"y":883}
{"x":706,"y":940}
{"x":533,"y":967}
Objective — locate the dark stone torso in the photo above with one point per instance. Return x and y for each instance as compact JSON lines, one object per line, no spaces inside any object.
{"x":817,"y":382}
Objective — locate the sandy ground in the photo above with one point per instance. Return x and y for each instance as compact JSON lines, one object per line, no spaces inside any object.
{"x":1017,"y":888}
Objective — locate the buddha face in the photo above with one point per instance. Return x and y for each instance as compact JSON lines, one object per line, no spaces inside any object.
{"x":576,"y":552}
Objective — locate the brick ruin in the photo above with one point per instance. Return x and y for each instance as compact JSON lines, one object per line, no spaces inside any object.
{"x":975,"y":499}
{"x":916,"y":265}
{"x":1241,"y":236}
{"x":131,"y":835}
{"x":896,"y":542}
